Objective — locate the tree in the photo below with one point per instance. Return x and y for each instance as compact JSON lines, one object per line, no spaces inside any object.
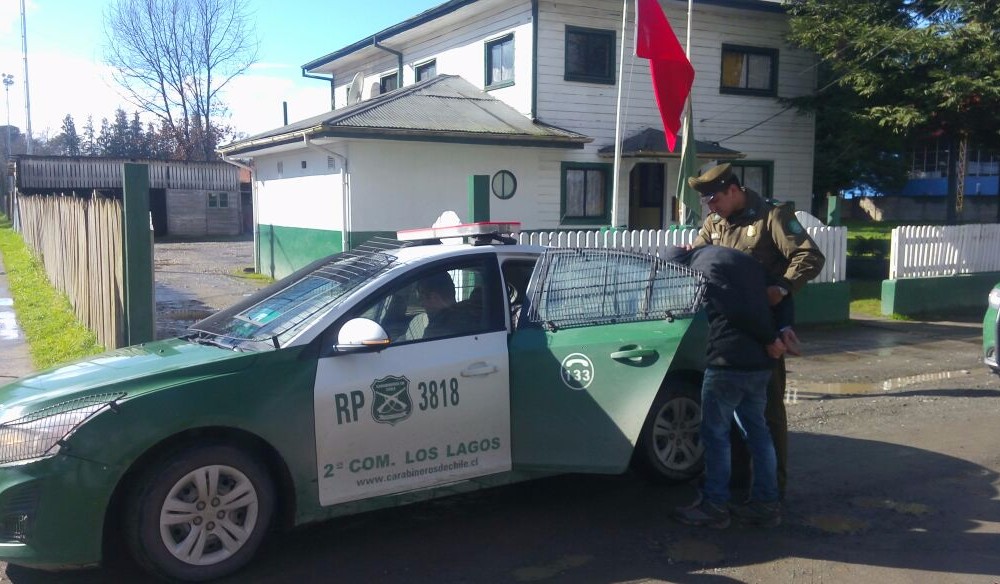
{"x":918,"y":67}
{"x":88,"y":142}
{"x":67,"y":142}
{"x":173,"y":57}
{"x":853,"y":152}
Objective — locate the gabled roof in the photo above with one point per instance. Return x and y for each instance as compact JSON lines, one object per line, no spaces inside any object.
{"x":446,"y":8}
{"x":445,"y":108}
{"x":651,"y":143}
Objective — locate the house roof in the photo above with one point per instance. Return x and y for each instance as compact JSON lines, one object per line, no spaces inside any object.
{"x":446,"y":8}
{"x":445,"y":108}
{"x":652,"y":143}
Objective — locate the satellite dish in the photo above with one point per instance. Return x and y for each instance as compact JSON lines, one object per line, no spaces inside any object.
{"x":354,"y":89}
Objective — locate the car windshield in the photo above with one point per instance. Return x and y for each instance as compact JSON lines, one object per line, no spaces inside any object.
{"x":272,"y":317}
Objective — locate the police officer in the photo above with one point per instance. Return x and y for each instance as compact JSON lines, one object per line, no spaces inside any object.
{"x":741,"y":219}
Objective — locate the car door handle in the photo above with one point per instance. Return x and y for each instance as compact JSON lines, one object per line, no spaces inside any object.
{"x":636,"y":353}
{"x":479,"y":369}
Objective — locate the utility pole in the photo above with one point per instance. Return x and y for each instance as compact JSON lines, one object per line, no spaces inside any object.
{"x":27,"y":99}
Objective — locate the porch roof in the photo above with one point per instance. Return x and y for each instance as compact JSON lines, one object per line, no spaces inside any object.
{"x":445,"y":108}
{"x":651,"y":143}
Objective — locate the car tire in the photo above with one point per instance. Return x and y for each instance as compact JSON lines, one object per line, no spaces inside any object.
{"x":180,"y":523}
{"x":670,"y":448}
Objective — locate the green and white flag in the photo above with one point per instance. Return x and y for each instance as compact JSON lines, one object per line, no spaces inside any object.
{"x":689,"y":167}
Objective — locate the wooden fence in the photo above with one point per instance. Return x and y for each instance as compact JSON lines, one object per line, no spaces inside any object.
{"x":832,"y":241}
{"x":79,"y":242}
{"x":926,"y":251}
{"x":57,"y":173}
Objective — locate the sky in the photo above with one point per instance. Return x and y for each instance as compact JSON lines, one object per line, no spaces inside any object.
{"x":66,"y":73}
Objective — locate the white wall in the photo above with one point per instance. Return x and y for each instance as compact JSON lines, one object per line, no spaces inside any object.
{"x":458,"y":44}
{"x":589,"y":108}
{"x":397,"y":185}
{"x":309,"y":198}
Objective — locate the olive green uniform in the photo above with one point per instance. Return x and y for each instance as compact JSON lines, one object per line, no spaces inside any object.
{"x":772,"y":235}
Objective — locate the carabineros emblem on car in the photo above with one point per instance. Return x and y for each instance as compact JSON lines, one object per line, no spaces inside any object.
{"x":391,"y":403}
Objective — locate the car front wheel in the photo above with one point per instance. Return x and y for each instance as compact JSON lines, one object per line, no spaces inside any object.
{"x":670,"y":447}
{"x":200,"y":513}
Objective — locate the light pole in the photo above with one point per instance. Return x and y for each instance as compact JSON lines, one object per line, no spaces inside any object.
{"x":8,"y":80}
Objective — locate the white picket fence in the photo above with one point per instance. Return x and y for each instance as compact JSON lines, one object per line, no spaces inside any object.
{"x":832,"y":241}
{"x":925,"y":251}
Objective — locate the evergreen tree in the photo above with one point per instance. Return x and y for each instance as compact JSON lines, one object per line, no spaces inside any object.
{"x":88,"y":142}
{"x":104,"y":143}
{"x":68,"y":141}
{"x":138,"y":144}
{"x":917,"y":67}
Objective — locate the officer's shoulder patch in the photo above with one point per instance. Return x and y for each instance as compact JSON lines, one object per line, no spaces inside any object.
{"x":795,"y":227}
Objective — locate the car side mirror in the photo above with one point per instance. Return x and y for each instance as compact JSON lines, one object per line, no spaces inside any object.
{"x":361,"y":335}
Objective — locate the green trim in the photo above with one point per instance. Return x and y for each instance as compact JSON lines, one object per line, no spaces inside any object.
{"x":282,"y":250}
{"x":611,"y":62}
{"x":479,"y":197}
{"x":605,"y":218}
{"x":486,"y":71}
{"x":768,"y":164}
{"x":772,"y":91}
{"x":915,"y":296}
{"x":823,"y":302}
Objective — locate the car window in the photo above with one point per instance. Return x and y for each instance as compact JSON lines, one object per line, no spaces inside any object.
{"x":277,"y":314}
{"x":447,"y":300}
{"x":581,"y":287}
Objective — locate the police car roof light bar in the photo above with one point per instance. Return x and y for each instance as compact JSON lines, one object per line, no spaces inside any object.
{"x":482,"y":228}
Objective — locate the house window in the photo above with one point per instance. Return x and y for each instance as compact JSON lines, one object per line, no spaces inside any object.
{"x":426,"y":70}
{"x":590,"y":55}
{"x":756,"y":176}
{"x":749,"y":70}
{"x":586,"y":193}
{"x":388,"y":82}
{"x":500,"y":62}
{"x":218,"y":200}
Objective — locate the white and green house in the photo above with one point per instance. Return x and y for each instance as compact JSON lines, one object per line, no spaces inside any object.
{"x":523,"y":95}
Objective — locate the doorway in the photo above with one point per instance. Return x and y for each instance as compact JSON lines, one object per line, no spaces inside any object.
{"x":646,"y":194}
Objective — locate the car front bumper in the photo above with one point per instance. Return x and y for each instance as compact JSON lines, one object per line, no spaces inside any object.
{"x":52,"y":512}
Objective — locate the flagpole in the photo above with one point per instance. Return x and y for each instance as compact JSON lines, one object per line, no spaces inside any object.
{"x":618,"y":122}
{"x":686,"y":129}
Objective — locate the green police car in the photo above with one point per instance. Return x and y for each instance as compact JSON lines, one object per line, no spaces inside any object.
{"x":991,"y":331}
{"x":401,"y":371}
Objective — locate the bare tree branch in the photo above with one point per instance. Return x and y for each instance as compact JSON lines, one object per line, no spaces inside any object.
{"x":172,"y":57}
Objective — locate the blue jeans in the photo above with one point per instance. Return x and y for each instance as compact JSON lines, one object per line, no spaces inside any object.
{"x":723,"y":393}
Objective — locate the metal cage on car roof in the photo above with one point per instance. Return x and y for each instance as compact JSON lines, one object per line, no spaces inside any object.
{"x":578,"y":287}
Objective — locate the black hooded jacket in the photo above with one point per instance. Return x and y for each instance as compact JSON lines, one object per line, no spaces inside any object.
{"x":740,"y":320}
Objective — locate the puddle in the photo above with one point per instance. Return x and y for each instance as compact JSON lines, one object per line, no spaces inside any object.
{"x":9,"y":330}
{"x":837,"y":524}
{"x":538,"y":573}
{"x":695,"y":551}
{"x":915,"y":509}
{"x":803,"y":391}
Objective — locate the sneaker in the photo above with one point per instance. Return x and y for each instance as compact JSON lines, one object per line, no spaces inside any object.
{"x":760,"y":514}
{"x":703,"y":514}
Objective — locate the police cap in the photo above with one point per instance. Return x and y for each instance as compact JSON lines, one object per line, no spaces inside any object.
{"x":712,"y":180}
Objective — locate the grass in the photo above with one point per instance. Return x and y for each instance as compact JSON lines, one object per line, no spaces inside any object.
{"x":51,"y":328}
{"x":253,"y":276}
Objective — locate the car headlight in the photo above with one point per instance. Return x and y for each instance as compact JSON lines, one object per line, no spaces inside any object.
{"x":41,"y":433}
{"x":995,"y":297}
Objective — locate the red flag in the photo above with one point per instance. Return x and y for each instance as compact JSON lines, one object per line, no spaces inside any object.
{"x":671,"y":71}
